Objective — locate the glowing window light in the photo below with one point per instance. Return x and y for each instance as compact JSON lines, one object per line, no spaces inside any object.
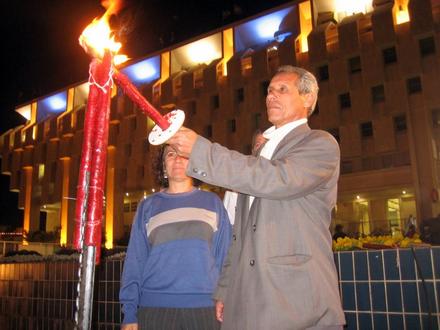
{"x":402,"y":15}
{"x":345,"y":8}
{"x":203,"y":51}
{"x":261,"y":30}
{"x":305,"y":21}
{"x":51,"y":105}
{"x":304,"y":44}
{"x":351,"y":7}
{"x":40,"y":172}
{"x":145,"y":71}
{"x":267,"y":26}
{"x":25,"y":111}
{"x":57,"y":102}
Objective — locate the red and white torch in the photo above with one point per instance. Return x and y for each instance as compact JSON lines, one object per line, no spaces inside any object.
{"x":98,"y":42}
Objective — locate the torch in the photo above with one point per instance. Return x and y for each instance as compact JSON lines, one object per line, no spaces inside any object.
{"x":102,"y":74}
{"x":97,"y":41}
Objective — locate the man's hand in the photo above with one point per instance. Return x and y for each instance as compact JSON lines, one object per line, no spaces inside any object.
{"x":130,"y":326}
{"x":183,"y":141}
{"x":219,"y":306}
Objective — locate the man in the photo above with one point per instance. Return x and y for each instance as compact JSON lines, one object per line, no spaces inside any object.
{"x":280,"y":272}
{"x":339,"y":232}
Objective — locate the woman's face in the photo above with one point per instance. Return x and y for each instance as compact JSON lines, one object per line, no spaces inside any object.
{"x":175,"y":165}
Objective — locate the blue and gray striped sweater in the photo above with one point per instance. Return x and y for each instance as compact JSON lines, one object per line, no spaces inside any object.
{"x":177,"y":246}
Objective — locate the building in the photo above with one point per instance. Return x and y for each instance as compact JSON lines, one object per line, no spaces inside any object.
{"x":377,"y":63}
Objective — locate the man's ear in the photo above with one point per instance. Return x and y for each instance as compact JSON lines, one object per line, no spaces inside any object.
{"x":309,"y":100}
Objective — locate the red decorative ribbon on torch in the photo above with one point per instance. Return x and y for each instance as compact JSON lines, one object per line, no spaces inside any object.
{"x":133,"y":93}
{"x":90,"y":189}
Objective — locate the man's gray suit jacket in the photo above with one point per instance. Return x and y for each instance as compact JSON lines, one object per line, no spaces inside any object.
{"x":280,"y":271}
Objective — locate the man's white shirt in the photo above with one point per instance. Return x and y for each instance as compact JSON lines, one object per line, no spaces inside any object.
{"x":274,"y":136}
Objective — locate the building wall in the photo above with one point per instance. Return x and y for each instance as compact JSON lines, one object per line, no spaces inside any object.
{"x":378,"y":90}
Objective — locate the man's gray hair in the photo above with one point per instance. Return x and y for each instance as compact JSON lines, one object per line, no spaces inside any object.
{"x":306,"y":83}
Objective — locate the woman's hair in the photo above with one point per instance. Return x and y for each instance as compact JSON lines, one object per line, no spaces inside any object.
{"x":159,"y":169}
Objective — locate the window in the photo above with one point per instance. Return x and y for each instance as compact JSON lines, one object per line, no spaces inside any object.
{"x":346,"y":166}
{"x":436,"y":118}
{"x":40,"y":169}
{"x":53,"y":172}
{"x":126,"y":207}
{"x":427,"y":46}
{"x":378,"y":94}
{"x":400,"y":123}
{"x":247,"y":149}
{"x":208,"y":131}
{"x":215,"y":102}
{"x":414,"y":85}
{"x":264,"y":87}
{"x":123,"y":176}
{"x":344,"y":101}
{"x":146,"y":146}
{"x":239,"y":95}
{"x":354,"y":64}
{"x":335,"y":133}
{"x":257,"y":119}
{"x":141,"y":172}
{"x":192,"y":107}
{"x":389,"y":55}
{"x":127,"y":150}
{"x":316,"y":110}
{"x":133,"y":124}
{"x":231,"y":126}
{"x":134,"y":206}
{"x":323,"y":74}
{"x":367,"y":129}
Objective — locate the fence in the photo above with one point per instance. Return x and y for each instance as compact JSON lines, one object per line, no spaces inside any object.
{"x":380,"y":289}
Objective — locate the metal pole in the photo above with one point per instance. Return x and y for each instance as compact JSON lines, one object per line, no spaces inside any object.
{"x":86,"y":285}
{"x":83,"y":305}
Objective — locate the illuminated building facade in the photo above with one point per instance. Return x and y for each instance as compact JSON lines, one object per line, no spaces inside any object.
{"x":377,"y":64}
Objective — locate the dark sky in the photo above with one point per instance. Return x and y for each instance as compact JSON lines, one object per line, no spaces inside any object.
{"x":40,"y":51}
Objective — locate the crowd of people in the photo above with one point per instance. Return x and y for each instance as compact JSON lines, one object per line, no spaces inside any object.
{"x":188,"y":268}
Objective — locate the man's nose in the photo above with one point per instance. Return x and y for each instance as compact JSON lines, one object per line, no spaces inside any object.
{"x":270,"y":95}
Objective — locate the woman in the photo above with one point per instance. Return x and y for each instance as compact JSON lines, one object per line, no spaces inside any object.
{"x":178,"y":241}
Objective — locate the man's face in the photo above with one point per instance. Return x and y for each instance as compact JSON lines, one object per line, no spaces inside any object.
{"x":284,"y":103}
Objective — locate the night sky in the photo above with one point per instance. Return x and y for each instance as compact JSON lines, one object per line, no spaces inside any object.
{"x":41,"y":54}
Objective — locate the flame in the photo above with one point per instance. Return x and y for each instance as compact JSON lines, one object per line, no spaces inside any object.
{"x":97,"y":37}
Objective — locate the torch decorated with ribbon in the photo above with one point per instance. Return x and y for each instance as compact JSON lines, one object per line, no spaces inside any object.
{"x":98,"y":42}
